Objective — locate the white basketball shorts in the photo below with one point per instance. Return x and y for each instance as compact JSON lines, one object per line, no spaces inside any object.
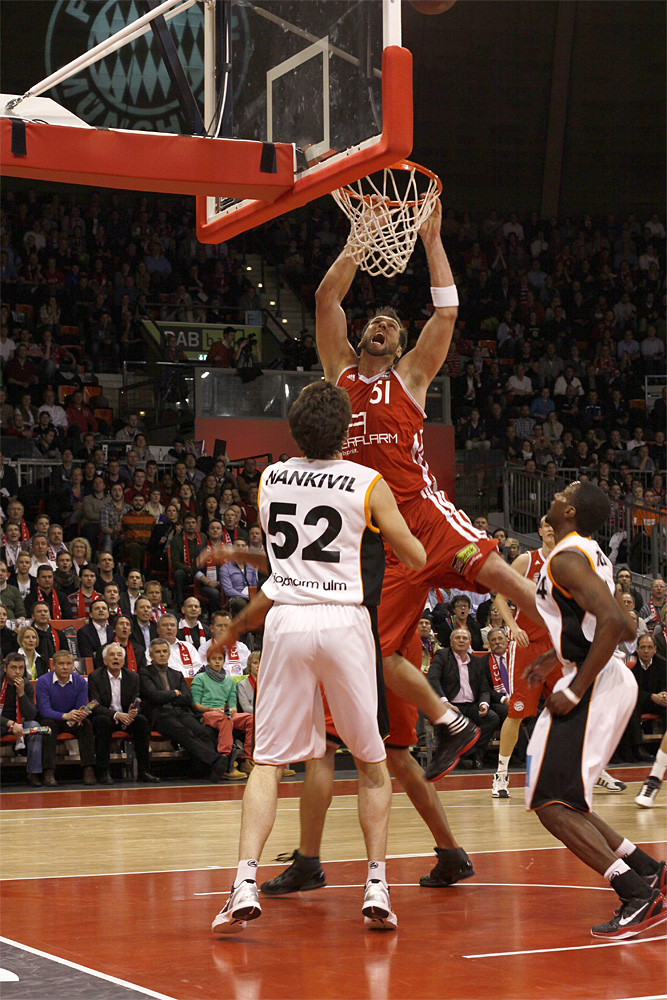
{"x":305,"y":646}
{"x":567,"y":753}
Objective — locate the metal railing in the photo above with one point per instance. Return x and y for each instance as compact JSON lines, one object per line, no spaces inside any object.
{"x":634,"y":534}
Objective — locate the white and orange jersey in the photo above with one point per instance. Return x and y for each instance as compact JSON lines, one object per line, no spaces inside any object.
{"x":571,"y":627}
{"x":386,"y":432}
{"x":532,"y":629}
{"x":320,"y":543}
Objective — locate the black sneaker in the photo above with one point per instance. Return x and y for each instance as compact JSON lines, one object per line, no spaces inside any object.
{"x":449,"y":749}
{"x":452,"y":866}
{"x":299,"y":877}
{"x":633,"y":917}
{"x":659,"y":879}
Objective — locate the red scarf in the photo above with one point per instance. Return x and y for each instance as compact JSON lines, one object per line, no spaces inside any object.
{"x":157,"y":613}
{"x":56,"y":613}
{"x":3,"y":695}
{"x":494,"y":667}
{"x":83,"y":603}
{"x":130,"y":658}
{"x":186,"y":547}
{"x":25,"y":534}
{"x":186,"y":659}
{"x":198,"y":627}
{"x":226,"y":537}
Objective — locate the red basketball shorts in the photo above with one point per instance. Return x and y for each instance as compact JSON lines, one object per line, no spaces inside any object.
{"x":524,"y":699}
{"x":402,"y":715}
{"x":456,"y":552}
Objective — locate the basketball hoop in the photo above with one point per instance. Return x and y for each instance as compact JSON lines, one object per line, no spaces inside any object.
{"x":386,"y":211}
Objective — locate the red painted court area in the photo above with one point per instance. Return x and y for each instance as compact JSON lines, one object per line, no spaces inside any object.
{"x":519,"y":931}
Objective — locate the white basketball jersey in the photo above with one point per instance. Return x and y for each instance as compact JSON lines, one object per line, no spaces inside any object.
{"x":570,"y":627}
{"x":320,"y":543}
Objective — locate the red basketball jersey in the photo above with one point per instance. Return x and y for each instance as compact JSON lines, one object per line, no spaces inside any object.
{"x":533,"y":631}
{"x":386,"y":432}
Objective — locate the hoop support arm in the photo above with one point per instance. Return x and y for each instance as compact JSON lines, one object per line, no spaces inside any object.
{"x":140,"y":161}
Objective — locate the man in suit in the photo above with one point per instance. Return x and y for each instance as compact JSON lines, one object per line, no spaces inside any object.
{"x":135,"y":654}
{"x":650,"y":672}
{"x":144,"y":629}
{"x":496,"y":675}
{"x":166,"y":695}
{"x":116,"y":689}
{"x":97,"y":633}
{"x":185,"y":548}
{"x":461,"y":679}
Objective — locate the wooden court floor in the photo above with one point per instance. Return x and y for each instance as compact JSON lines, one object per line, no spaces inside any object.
{"x":109,"y":893}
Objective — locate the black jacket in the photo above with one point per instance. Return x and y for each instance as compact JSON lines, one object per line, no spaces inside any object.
{"x":26,"y":704}
{"x":65,"y":608}
{"x":88,"y":640}
{"x":136,"y":635}
{"x":443,"y":675}
{"x":99,"y":689}
{"x":156,"y":700}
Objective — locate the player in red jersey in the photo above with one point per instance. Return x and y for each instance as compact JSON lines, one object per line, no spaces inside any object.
{"x":528,"y":641}
{"x":388,"y":394}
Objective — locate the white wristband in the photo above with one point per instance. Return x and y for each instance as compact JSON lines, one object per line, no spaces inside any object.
{"x":444,"y":297}
{"x":570,"y":695}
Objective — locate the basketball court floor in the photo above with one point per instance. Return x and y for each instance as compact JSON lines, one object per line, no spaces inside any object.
{"x":110,"y":893}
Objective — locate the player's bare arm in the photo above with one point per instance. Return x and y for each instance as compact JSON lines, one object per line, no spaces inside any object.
{"x":334,"y":348}
{"x":520,"y":565}
{"x":573,"y":573}
{"x":420,"y":366}
{"x":227,"y":553}
{"x":391,"y":523}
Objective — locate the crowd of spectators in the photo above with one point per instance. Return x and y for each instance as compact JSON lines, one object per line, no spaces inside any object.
{"x":559,"y":323}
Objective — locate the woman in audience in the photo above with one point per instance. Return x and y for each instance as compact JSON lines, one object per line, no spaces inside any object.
{"x":495,"y":621}
{"x":8,"y":640}
{"x":210,"y":512}
{"x":81,"y":553}
{"x":28,"y":641}
{"x":154,"y":505}
{"x":189,"y":504}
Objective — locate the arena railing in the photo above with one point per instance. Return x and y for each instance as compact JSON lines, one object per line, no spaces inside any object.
{"x":627,"y":537}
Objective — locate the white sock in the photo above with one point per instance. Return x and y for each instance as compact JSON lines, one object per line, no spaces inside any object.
{"x":377,"y":870}
{"x":455,"y":721}
{"x":625,"y":848}
{"x":246,"y":871}
{"x":660,"y":765}
{"x":503,"y":764}
{"x":617,"y":868}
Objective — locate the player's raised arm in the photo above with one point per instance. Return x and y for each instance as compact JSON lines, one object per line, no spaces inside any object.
{"x":391,"y":523}
{"x":573,"y":573}
{"x":420,"y":366}
{"x":334,"y":348}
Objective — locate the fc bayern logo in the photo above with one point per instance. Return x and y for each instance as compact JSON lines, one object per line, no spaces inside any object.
{"x":129,"y":88}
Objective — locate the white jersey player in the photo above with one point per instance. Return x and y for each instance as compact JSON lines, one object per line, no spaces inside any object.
{"x":322,"y":518}
{"x":588,"y":711}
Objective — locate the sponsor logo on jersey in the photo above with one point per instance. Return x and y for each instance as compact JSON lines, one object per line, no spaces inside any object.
{"x":517,"y":706}
{"x":355,"y":442}
{"x":352,"y":378}
{"x":291,"y":581}
{"x":463,"y":556}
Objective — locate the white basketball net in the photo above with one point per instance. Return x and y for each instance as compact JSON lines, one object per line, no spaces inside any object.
{"x":385,"y":215}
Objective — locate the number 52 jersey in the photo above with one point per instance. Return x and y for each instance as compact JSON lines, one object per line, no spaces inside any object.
{"x":321,"y":545}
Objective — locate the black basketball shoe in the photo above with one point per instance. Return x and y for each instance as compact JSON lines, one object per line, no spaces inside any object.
{"x":633,"y":917}
{"x":301,"y":876}
{"x":450,"y":747}
{"x":452,"y":866}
